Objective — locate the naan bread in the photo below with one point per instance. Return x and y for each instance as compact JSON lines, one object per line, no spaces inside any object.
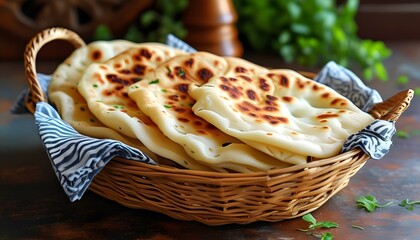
{"x":71,"y":105}
{"x":104,"y":86}
{"x":163,"y":96}
{"x":274,"y":110}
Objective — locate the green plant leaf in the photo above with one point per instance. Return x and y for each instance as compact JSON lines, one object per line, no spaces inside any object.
{"x":102,"y":32}
{"x":288,"y":53}
{"x":309,"y":218}
{"x":148,"y":17}
{"x":408,"y":204}
{"x":133,"y":34}
{"x":417,"y":91}
{"x":284,"y":37}
{"x":326,"y":224}
{"x":281,"y":26}
{"x":368,"y":73}
{"x":300,"y":28}
{"x":370,"y":203}
{"x":351,"y":7}
{"x":314,"y":224}
{"x":403,"y":134}
{"x":294,"y":10}
{"x":403,"y":79}
{"x":327,"y":236}
{"x":381,"y":71}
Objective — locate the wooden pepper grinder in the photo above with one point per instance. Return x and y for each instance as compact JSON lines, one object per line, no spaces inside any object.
{"x":211,"y":27}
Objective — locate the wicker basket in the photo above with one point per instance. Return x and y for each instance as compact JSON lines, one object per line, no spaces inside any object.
{"x":219,"y":198}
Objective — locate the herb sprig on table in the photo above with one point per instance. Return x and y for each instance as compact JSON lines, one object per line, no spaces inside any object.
{"x":314,"y":224}
{"x":370,"y":203}
{"x":311,"y":33}
{"x":409,"y":205}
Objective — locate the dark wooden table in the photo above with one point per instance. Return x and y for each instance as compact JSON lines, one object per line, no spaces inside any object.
{"x":33,"y":205}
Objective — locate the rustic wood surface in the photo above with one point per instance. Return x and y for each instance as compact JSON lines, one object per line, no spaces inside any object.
{"x":33,"y":205}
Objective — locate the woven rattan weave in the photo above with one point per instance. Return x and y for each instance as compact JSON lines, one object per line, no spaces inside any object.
{"x":219,"y":198}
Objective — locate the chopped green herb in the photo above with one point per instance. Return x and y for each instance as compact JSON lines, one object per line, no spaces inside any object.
{"x":314,"y":224}
{"x":403,"y":79}
{"x":381,"y":71}
{"x":137,"y":79}
{"x":370,"y":203}
{"x":321,"y":236}
{"x":95,"y":85}
{"x":408,"y":205}
{"x":168,"y":69}
{"x":134,"y":87}
{"x":167,"y":106}
{"x":181,"y":73}
{"x":403,"y":134}
{"x":164,"y":90}
{"x":118,"y":106}
{"x":327,"y":236}
{"x":417,"y":91}
{"x":156,"y":81}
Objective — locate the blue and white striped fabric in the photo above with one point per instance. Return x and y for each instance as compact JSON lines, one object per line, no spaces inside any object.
{"x":374,"y":140}
{"x":349,"y":85}
{"x":175,"y":42}
{"x":76,"y":158}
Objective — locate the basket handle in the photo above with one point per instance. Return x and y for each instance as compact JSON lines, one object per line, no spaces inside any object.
{"x":392,"y":108}
{"x":32,"y":48}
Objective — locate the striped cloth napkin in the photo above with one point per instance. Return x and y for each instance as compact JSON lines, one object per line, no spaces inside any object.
{"x":375,"y":139}
{"x":76,"y":158}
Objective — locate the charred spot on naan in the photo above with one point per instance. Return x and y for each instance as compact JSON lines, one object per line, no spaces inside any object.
{"x":117,"y":85}
{"x":184,"y":72}
{"x":260,"y":113}
{"x":252,"y":104}
{"x":140,"y":58}
{"x":187,"y":119}
{"x":228,"y":85}
{"x":241,"y":70}
{"x":179,"y":103}
{"x":95,"y":55}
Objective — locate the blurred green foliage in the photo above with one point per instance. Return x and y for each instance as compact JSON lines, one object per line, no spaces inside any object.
{"x":310,"y":33}
{"x":153,"y":25}
{"x":306,"y":32}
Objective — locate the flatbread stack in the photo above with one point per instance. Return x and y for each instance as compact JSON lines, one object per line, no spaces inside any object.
{"x":199,"y":110}
{"x":164,"y":98}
